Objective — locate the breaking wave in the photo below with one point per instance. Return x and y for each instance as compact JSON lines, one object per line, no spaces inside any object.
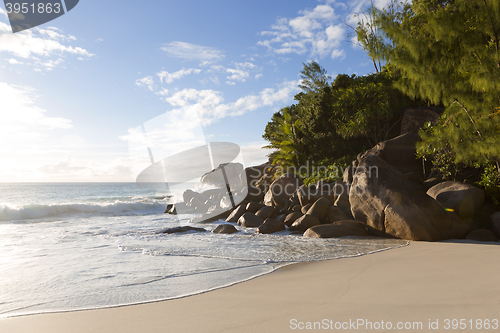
{"x":116,"y":208}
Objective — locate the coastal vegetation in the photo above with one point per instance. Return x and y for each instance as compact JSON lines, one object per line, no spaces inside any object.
{"x":443,"y":53}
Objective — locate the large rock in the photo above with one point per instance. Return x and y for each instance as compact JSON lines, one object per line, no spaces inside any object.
{"x":305,"y":208}
{"x":250,"y":220}
{"x":254,"y":206}
{"x":227,"y":201}
{"x":416,"y":118}
{"x":292,"y":217}
{"x":282,"y":189}
{"x":270,"y":226}
{"x":336,"y":214}
{"x":398,"y":152}
{"x":216,"y":176}
{"x":338,"y":229}
{"x":482,"y":235}
{"x":224,"y":229}
{"x":495,"y":223}
{"x":463,"y":199}
{"x":428,"y":183}
{"x":342,"y":191}
{"x":387,"y":201}
{"x":214,"y":194}
{"x":348,"y":174}
{"x":188,"y":195}
{"x":236,"y":214}
{"x":304,"y":222}
{"x":319,"y":209}
{"x":251,"y":176}
{"x":265,"y":212}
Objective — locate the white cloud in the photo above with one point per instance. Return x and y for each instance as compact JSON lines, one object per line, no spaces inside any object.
{"x":237,"y":75}
{"x":170,"y":77}
{"x":209,"y":104}
{"x":189,"y":51}
{"x":14,"y":62}
{"x":146,"y":82}
{"x":204,"y":98}
{"x":240,"y":73}
{"x":312,"y":31}
{"x":318,"y":31}
{"x":26,"y":128}
{"x":258,"y":76}
{"x":35,"y":43}
{"x":69,"y":169}
{"x":254,"y":154}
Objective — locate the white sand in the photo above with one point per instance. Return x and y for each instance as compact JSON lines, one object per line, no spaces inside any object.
{"x":420,"y":282}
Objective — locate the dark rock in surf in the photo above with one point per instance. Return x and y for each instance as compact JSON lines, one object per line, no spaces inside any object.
{"x":175,"y":230}
{"x":224,"y":229}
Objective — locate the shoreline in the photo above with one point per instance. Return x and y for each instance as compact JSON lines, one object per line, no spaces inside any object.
{"x":283,"y":265}
{"x":421,"y":282}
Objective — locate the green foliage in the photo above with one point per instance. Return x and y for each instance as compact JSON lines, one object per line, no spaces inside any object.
{"x":283,"y":134}
{"x":314,"y":77}
{"x":329,"y":173}
{"x":449,"y":54}
{"x":367,"y":106}
{"x":490,"y":180}
{"x":331,"y":121}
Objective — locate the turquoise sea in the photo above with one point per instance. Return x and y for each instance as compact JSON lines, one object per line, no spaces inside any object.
{"x":72,"y":246}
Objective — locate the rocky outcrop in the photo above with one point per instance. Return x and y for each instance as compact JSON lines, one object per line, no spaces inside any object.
{"x":482,"y":235}
{"x":384,"y":199}
{"x":224,"y":229}
{"x":338,"y":229}
{"x":270,"y":226}
{"x":252,"y":175}
{"x":463,"y":199}
{"x":416,"y":118}
{"x":310,"y":194}
{"x":282,"y":189}
{"x":216,"y":176}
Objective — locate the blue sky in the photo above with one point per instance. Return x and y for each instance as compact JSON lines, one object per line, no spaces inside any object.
{"x":75,"y":91}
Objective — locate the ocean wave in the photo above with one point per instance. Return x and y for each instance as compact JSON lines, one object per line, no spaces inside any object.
{"x":116,"y":208}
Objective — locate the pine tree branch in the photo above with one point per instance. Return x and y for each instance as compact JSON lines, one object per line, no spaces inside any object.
{"x":470,"y":118}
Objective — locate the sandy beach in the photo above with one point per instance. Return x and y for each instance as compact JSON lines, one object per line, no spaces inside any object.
{"x":422,"y":287}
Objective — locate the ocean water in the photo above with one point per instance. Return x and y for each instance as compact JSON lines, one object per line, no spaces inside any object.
{"x":74,"y":246}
